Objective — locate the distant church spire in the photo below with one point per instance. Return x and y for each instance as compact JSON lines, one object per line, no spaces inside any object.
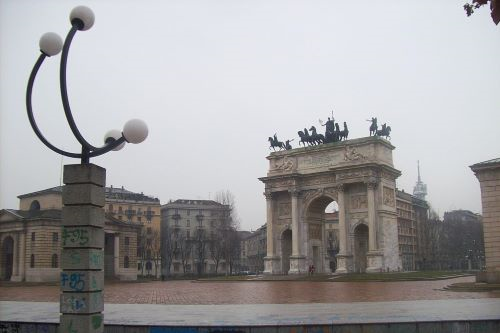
{"x":420,"y":189}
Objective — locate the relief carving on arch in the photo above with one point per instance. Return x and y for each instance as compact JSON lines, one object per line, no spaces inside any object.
{"x":283,"y":183}
{"x":356,"y":174}
{"x":389,"y":199}
{"x":285,"y":164}
{"x":359,"y":201}
{"x":320,"y":180}
{"x":315,"y":231}
{"x":284,"y":210}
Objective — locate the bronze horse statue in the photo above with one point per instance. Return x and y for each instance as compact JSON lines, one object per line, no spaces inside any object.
{"x":385,"y":131}
{"x":344,"y":133}
{"x":315,"y":137}
{"x":275,"y":143}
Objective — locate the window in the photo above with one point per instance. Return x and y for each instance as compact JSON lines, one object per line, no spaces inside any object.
{"x":188,"y":223}
{"x":139,"y":219}
{"x":188,"y":212}
{"x":32,"y":261}
{"x":35,"y":205}
{"x":148,"y":254}
{"x":55,"y":237}
{"x":125,"y":262}
{"x":32,"y":236}
{"x":110,"y":208}
{"x":188,"y":234}
{"x":149,"y":231}
{"x":127,"y":241}
{"x":120,"y":210}
{"x":55,"y":262}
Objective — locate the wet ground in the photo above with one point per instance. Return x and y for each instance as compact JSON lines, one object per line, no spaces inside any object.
{"x":258,"y":292}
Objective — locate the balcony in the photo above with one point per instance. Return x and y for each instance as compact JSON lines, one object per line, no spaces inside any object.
{"x":176,"y":216}
{"x":200,"y":217}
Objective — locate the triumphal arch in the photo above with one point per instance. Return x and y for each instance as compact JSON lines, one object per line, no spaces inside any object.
{"x":360,"y":177}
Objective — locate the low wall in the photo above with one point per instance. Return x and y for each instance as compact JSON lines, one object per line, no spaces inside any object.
{"x":483,"y":326}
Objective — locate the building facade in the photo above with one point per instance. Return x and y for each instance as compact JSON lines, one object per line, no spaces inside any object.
{"x":253,"y":251}
{"x":144,"y":210}
{"x":412,"y":219}
{"x":31,"y":237}
{"x":194,"y":237}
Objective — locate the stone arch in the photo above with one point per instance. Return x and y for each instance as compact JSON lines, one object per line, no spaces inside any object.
{"x":360,"y":248}
{"x":355,"y":174}
{"x":316,"y":251}
{"x":7,"y":258}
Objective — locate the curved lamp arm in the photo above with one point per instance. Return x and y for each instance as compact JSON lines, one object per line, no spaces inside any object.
{"x":64,"y":90}
{"x":29,"y":109}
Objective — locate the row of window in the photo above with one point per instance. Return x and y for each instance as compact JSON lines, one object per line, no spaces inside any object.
{"x":55,"y":236}
{"x":54,"y":263}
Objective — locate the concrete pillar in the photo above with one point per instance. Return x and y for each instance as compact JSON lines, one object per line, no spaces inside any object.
{"x":82,"y":255}
{"x":116,"y":255}
{"x":372,"y":229}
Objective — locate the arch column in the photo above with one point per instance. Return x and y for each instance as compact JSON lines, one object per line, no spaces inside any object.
{"x":271,"y":261}
{"x":344,"y":258}
{"x":297,"y":259}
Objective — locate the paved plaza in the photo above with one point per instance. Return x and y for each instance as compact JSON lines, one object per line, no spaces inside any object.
{"x":258,"y":292}
{"x":266,"y":306}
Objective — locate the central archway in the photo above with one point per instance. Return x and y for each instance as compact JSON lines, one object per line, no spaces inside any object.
{"x":317,"y":251}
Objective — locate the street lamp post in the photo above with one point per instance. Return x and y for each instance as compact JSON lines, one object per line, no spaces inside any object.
{"x":82,"y":257}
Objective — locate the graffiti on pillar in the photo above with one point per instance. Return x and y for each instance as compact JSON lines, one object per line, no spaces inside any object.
{"x":73,"y":304}
{"x":74,"y":281}
{"x":96,"y":259}
{"x":96,"y":321}
{"x":75,"y":236}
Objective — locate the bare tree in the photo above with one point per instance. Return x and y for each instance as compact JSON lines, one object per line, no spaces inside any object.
{"x":217,"y":247}
{"x":155,"y":250}
{"x":228,"y":230}
{"x":200,"y":242}
{"x":169,"y":237}
{"x":184,"y":249}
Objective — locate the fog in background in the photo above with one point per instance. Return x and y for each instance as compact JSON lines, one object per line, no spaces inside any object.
{"x":214,"y":79}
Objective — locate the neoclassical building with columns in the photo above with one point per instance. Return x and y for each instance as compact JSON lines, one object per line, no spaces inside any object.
{"x":359,"y":176}
{"x":31,"y":236}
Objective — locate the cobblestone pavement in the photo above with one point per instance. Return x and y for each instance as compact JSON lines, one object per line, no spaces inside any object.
{"x":258,"y":292}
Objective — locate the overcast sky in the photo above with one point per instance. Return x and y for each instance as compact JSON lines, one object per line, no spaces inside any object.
{"x":214,"y":79}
